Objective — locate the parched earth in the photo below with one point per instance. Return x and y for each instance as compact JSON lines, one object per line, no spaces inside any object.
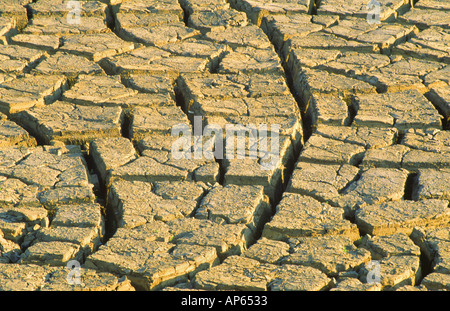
{"x":92,"y":196}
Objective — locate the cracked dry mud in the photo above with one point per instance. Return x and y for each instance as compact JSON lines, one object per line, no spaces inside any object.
{"x":88,"y":172}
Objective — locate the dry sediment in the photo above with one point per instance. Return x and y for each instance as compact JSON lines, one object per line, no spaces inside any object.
{"x":89,"y":172}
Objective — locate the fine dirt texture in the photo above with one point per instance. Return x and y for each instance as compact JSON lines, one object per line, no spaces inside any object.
{"x":224,"y":145}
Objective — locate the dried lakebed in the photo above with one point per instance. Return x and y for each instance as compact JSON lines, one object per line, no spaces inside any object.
{"x":356,"y":196}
